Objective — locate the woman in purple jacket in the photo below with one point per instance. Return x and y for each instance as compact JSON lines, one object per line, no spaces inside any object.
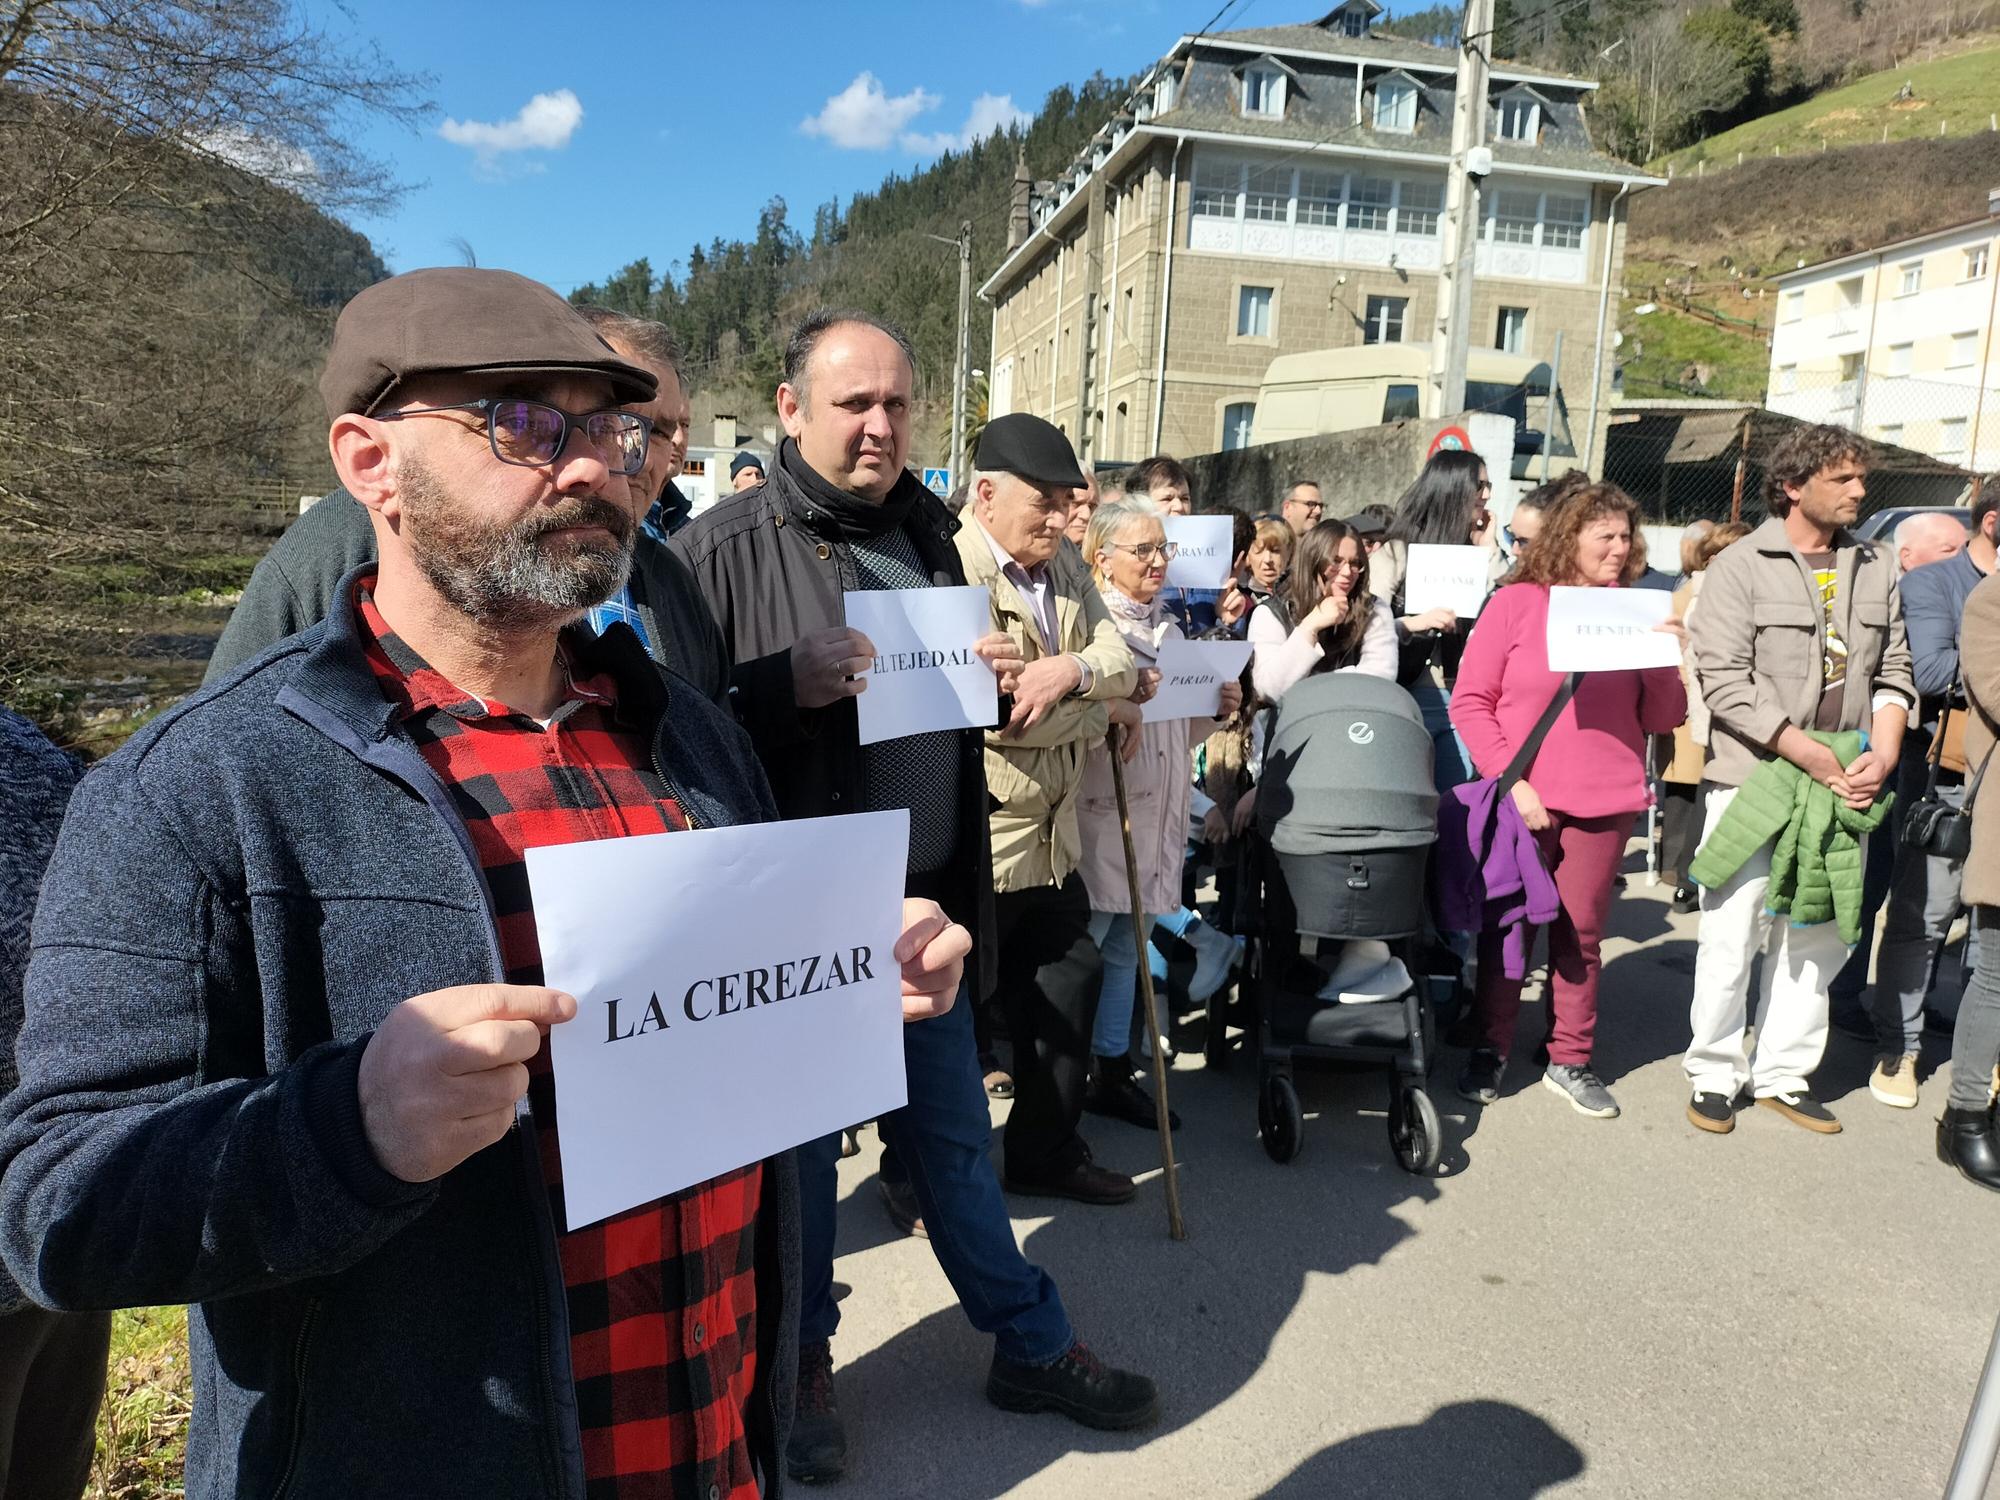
{"x":1581,"y":792}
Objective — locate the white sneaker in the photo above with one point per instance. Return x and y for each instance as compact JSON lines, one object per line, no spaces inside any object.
{"x":1365,"y":973}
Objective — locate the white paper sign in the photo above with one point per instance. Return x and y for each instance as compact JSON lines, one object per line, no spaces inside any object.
{"x":1455,"y":577}
{"x":1206,"y":558}
{"x":1610,"y":630}
{"x":1191,"y":677}
{"x":737,"y":993}
{"x":924,"y":675}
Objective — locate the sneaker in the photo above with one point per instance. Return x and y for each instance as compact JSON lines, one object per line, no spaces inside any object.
{"x":817,"y":1449}
{"x":1715,"y":1113}
{"x":1803,"y":1110}
{"x":1080,"y":1386}
{"x":900,"y":1200}
{"x":1480,"y":1082}
{"x":1586,"y":1093}
{"x":1894,"y":1081}
{"x":1687,"y":899}
{"x":1216,"y":955}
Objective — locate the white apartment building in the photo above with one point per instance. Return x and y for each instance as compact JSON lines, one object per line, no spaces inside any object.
{"x":1898,"y":343}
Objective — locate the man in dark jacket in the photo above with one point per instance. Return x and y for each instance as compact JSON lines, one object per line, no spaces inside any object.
{"x":284,"y":1055}
{"x":51,"y":1363}
{"x":840,"y":513}
{"x":293,"y":585}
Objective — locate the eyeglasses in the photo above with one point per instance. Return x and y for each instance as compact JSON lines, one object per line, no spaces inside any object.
{"x":529,"y":434}
{"x":1149,"y":551}
{"x":1485,"y":486}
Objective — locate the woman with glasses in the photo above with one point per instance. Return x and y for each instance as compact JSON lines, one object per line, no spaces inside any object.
{"x":1585,"y":785}
{"x":1325,"y":620}
{"x":1127,"y":549}
{"x":1447,"y":506}
{"x":1268,"y":557}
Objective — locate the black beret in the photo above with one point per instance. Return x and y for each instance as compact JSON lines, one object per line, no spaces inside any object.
{"x":1031,"y":449}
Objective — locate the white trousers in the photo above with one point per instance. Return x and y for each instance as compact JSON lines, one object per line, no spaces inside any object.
{"x":1799,"y":964}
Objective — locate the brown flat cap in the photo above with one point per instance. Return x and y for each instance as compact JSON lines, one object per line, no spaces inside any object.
{"x":459,"y":319}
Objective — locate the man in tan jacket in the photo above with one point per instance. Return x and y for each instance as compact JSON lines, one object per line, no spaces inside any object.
{"x":1051,"y":712}
{"x":1800,"y":629}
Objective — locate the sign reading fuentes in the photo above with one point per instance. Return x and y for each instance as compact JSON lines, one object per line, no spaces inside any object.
{"x":1610,"y":630}
{"x":736,"y":995}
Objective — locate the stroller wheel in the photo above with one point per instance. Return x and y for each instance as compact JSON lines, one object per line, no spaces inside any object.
{"x":1413,"y":1129}
{"x":1280,"y":1122}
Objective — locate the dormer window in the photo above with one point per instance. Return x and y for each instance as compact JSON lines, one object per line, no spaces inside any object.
{"x":1264,"y":92}
{"x":1520,"y":118}
{"x":1396,"y":104}
{"x":1166,"y":92}
{"x":1352,"y":19}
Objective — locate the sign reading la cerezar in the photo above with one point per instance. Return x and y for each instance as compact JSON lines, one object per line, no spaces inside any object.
{"x":731,"y":994}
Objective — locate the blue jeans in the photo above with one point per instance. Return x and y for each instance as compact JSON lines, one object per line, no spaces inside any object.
{"x":941,"y":1137}
{"x":1451,"y":763}
{"x":1118,"y":991}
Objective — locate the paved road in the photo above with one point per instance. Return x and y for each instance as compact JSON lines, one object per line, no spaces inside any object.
{"x":1572,"y":1307}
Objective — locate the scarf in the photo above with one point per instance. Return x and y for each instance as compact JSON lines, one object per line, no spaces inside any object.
{"x":850,"y":517}
{"x":1142,"y":625}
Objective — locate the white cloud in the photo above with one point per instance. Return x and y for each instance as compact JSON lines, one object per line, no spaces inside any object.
{"x":545,"y":123}
{"x":862,"y":116}
{"x":989,"y":113}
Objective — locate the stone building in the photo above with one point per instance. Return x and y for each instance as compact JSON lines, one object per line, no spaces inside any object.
{"x":1278,"y":190}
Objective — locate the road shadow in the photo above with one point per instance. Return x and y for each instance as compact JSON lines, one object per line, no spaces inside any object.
{"x":1484,"y":1448}
{"x":1198,"y":1316}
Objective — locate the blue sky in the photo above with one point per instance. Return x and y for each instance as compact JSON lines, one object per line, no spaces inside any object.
{"x":571,"y":140}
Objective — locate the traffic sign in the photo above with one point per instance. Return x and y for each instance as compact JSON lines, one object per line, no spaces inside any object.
{"x":938,"y":481}
{"x":1455,"y":439}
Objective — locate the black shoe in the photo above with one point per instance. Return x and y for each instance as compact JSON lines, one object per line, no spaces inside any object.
{"x":1480,"y":1082}
{"x":1804,"y":1111}
{"x":999,"y":1082}
{"x":817,"y":1449}
{"x":1086,"y":1182}
{"x":900,"y":1199}
{"x":1687,"y":898}
{"x":1715,"y":1113}
{"x":1965,"y":1140}
{"x":1114,"y":1091}
{"x":1080,"y":1387}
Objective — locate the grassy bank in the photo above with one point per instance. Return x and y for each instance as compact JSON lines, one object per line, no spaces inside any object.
{"x":143,"y":1425}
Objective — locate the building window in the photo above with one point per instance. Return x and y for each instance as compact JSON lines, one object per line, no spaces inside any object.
{"x":1850,"y":367}
{"x":1912,"y":280}
{"x":1788,"y":379}
{"x":1900,"y":358}
{"x":1166,"y":93}
{"x":1216,"y":185}
{"x":1511,"y":335}
{"x":1514,"y":217}
{"x":1269,"y":193}
{"x":1236,"y":420}
{"x":1396,"y":105}
{"x":1964,"y":349}
{"x":1951,"y":437}
{"x":1520,"y":118}
{"x":1793,"y":308}
{"x":1368,"y":201}
{"x":1354,"y":21}
{"x":1319,"y":198}
{"x":1263,"y":92}
{"x":1385,"y":320}
{"x":1419,"y":207}
{"x":1253,"y":312}
{"x":1850,"y":291}
{"x":1975,"y":263}
{"x":1563,"y":221}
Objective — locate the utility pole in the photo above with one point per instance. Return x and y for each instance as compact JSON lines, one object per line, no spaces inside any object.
{"x":1451,"y":330}
{"x":961,"y":374}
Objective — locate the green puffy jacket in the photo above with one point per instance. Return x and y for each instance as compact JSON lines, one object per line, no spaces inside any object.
{"x":1816,"y":866}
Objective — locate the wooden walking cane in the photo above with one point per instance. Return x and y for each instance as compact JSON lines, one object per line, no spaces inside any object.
{"x":1176,"y":1227}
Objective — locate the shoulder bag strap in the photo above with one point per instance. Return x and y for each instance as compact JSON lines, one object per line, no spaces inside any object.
{"x":1531,"y":747}
{"x":1935,"y":759}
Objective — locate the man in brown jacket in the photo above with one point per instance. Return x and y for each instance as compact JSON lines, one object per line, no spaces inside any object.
{"x":1800,"y":630}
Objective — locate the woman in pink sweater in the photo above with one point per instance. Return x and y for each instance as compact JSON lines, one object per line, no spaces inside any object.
{"x":1584,"y":787}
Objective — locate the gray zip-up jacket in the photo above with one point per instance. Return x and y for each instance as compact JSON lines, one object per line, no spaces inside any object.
{"x":238,"y":898}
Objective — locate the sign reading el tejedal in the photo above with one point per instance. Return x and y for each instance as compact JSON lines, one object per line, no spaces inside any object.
{"x":737,"y":993}
{"x":925,"y":675}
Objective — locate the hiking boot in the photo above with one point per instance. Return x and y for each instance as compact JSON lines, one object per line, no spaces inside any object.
{"x":1894,"y":1081}
{"x":1715,"y":1113}
{"x":1965,"y":1140}
{"x":1587,"y":1095}
{"x":1480,"y":1082}
{"x":1079,"y":1386}
{"x":817,"y":1450}
{"x":900,"y":1199}
{"x":1114,"y":1091}
{"x":1803,"y":1110}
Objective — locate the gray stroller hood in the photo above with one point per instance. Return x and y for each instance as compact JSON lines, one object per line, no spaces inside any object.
{"x":1348,"y":767}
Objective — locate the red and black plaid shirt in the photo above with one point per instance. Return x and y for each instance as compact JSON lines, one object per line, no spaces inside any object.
{"x":663,"y":1298}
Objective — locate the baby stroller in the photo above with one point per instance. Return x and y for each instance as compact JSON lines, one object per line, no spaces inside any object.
{"x":1346,"y":819}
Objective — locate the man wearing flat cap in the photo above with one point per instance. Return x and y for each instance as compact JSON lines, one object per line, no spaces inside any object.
{"x":1075,"y":662}
{"x":841,"y":513}
{"x":285,"y":1052}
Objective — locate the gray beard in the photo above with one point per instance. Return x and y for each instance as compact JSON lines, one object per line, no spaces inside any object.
{"x":506,"y":575}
